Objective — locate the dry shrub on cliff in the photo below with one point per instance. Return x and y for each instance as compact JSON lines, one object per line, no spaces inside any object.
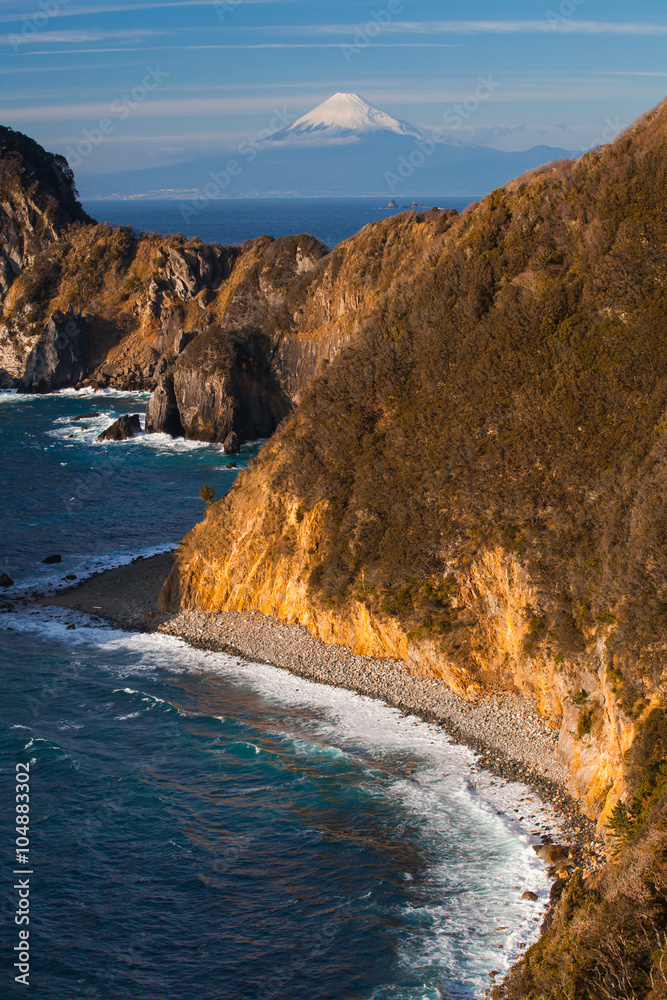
{"x":608,"y":939}
{"x":512,"y":395}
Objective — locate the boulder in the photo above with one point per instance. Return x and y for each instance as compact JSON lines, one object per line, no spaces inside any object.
{"x":530,"y":896}
{"x":552,"y":853}
{"x":127,"y":426}
{"x":231,"y":444}
{"x":50,"y":560}
{"x":6,"y":581}
{"x":58,"y":359}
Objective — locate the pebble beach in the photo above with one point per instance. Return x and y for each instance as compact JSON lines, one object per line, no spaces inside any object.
{"x":509,"y":737}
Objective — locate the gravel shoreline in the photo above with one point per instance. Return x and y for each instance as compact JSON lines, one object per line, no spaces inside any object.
{"x":511,"y":740}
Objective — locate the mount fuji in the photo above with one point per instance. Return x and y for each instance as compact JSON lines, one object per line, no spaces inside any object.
{"x":344,"y":117}
{"x":344,"y":147}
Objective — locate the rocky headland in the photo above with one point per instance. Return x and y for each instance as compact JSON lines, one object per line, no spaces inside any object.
{"x":225,"y":337}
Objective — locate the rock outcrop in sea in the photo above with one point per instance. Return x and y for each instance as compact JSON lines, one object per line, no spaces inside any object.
{"x":127,"y":426}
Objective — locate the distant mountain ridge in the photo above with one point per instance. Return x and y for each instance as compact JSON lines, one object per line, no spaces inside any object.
{"x":344,"y":147}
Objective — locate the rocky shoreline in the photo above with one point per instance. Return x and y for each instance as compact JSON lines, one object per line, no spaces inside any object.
{"x":509,"y":737}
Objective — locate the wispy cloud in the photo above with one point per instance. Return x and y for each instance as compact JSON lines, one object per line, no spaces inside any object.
{"x":567,"y":26}
{"x":219,"y":107}
{"x":130,"y":8}
{"x":165,"y":108}
{"x":81,"y":36}
{"x":258,"y":45}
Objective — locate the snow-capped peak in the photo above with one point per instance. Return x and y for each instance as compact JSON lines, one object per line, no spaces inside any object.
{"x":344,"y":116}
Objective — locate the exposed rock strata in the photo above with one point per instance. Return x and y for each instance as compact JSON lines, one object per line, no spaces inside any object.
{"x":58,"y":358}
{"x":227,"y":337}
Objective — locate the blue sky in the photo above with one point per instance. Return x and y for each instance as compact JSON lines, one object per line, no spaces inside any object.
{"x":565,"y":72}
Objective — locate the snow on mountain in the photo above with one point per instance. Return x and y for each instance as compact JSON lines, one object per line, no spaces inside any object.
{"x":344,"y":117}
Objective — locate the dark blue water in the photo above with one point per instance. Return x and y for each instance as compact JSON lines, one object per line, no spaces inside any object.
{"x":96,"y":503}
{"x":202,"y":827}
{"x":235,"y":220}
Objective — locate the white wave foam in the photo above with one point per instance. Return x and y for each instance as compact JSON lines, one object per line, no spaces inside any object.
{"x":88,"y":431}
{"x":51,"y":580}
{"x":6,"y":395}
{"x":468,"y":901}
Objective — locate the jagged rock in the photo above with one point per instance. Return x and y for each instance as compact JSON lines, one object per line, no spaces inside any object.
{"x":182,"y":339}
{"x":557,"y":890}
{"x":50,"y":560}
{"x":127,"y":426}
{"x":231,"y":444}
{"x":58,"y":358}
{"x":162,"y":415}
{"x":532,"y":897}
{"x":6,"y":581}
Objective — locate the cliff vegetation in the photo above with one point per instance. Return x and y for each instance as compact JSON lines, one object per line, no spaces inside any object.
{"x":476,"y":484}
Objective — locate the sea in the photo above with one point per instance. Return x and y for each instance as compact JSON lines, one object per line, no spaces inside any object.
{"x":202,"y":827}
{"x":234,"y":220}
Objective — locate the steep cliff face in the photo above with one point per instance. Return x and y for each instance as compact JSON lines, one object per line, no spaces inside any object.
{"x":476,"y":482}
{"x":58,"y":359}
{"x":37,"y":202}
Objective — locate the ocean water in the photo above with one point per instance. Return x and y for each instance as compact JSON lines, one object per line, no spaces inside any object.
{"x":234,"y":220}
{"x":205,"y":827}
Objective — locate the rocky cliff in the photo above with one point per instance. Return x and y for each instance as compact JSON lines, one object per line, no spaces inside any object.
{"x":227,"y":337}
{"x":38,"y":202}
{"x":476,"y":484}
{"x":474,"y":479}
